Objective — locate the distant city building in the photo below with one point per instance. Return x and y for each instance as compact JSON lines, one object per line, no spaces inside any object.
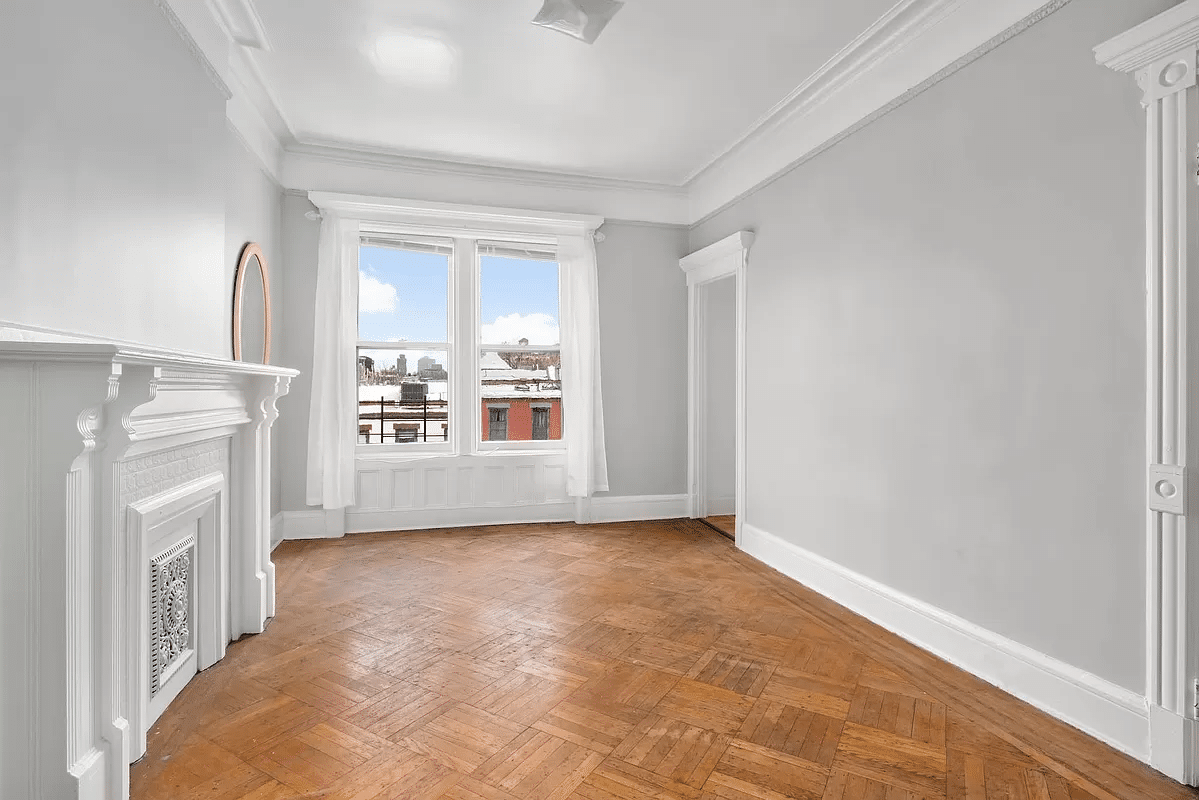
{"x":402,"y":365}
{"x":430,"y":370}
{"x":366,"y":366}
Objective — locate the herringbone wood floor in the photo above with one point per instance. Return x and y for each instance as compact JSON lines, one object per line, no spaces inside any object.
{"x":605,"y":662}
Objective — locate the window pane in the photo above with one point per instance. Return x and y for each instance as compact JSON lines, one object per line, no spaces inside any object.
{"x":518,"y":299}
{"x":521,"y":388}
{"x":402,"y":293}
{"x":403,"y":396}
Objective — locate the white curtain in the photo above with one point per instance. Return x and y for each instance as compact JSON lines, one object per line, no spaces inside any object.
{"x":582,"y":403}
{"x":333,"y":412}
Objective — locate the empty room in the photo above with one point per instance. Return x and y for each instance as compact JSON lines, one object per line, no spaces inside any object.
{"x":599,"y":400}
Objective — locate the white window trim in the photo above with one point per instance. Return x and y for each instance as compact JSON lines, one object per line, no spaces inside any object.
{"x":464,"y":224}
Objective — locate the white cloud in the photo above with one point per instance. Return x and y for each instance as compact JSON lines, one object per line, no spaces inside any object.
{"x":510,"y":329}
{"x":375,"y":296}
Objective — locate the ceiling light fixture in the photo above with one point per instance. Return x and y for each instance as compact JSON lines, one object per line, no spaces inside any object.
{"x":582,"y":19}
{"x":413,"y":58}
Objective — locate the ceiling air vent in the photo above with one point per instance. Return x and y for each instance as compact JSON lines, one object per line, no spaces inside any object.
{"x":582,"y":19}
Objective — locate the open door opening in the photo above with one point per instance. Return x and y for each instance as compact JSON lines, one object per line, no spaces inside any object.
{"x":716,"y":379}
{"x":718,"y":425}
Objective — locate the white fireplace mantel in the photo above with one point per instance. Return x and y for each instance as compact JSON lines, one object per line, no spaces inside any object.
{"x":135,"y":503}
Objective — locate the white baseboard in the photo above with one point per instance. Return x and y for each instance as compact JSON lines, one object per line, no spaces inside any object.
{"x":635,"y":508}
{"x":276,"y":530}
{"x":457,"y":517}
{"x":313,"y":524}
{"x":320,"y":524}
{"x":1098,"y":707}
{"x":721,"y":506}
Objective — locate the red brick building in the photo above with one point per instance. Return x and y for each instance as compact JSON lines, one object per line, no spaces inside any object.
{"x":522,"y":419}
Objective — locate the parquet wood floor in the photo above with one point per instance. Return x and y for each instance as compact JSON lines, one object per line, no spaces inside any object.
{"x":602,"y":662}
{"x":725,"y":523}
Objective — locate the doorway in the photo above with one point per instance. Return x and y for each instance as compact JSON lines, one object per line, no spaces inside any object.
{"x":716,"y":379}
{"x":717,"y":345}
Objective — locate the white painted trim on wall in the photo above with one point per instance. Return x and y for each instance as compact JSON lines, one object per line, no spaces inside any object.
{"x":635,"y":508}
{"x":276,"y":530}
{"x":1162,"y":53}
{"x":455,"y":219}
{"x":912,"y":48}
{"x":352,"y":169}
{"x":319,"y":524}
{"x":1108,"y":712}
{"x":728,"y":257}
{"x":459,"y":517}
{"x":916,"y":44}
{"x":313,"y":524}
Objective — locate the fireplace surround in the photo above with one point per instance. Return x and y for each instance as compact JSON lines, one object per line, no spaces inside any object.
{"x":135,"y":500}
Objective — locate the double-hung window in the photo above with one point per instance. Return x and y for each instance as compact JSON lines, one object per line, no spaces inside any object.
{"x":405,"y":347}
{"x":520,"y":382}
{"x":458,"y":344}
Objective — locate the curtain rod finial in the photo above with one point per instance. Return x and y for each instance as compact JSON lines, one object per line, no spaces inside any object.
{"x":312,"y":215}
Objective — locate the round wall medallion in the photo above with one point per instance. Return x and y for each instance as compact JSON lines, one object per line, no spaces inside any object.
{"x":1173,"y":73}
{"x":1165,"y":489}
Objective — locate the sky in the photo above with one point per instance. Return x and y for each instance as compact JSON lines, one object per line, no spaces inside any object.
{"x":402,"y":296}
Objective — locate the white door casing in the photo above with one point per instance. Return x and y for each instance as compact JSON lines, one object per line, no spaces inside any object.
{"x":1162,"y":54}
{"x":728,"y":257}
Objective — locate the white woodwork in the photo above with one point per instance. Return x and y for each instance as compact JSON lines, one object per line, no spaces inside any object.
{"x":1162,"y":54}
{"x":423,"y":492}
{"x":110,"y":456}
{"x":1098,"y":707}
{"x":722,"y":259}
{"x":728,"y":139}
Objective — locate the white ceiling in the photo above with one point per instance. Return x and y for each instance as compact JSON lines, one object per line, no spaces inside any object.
{"x":669,"y":86}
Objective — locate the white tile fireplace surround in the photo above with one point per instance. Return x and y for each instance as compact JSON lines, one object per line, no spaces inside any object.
{"x":135,"y":502}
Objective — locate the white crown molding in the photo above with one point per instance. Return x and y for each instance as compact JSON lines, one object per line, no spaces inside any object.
{"x":241,"y":23}
{"x":1159,"y":37}
{"x":411,"y":161}
{"x":915,"y":45}
{"x":245,"y":67}
{"x":901,"y":25}
{"x":255,"y":135}
{"x":194,"y":23}
{"x":381,"y":174}
{"x":919,"y":54}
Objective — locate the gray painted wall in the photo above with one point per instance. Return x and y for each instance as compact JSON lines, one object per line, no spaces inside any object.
{"x":643,"y":350}
{"x":300,"y":237}
{"x":946,"y":346}
{"x":254,"y":213}
{"x":112,"y":202}
{"x":643,"y":341}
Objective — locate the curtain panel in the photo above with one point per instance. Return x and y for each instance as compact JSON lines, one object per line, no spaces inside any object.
{"x":333,"y":412}
{"x":582,"y":400}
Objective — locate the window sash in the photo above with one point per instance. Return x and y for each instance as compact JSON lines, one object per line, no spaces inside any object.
{"x":464,"y":324}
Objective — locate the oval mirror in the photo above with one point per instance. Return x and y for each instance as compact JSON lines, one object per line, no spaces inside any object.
{"x":252,"y":308}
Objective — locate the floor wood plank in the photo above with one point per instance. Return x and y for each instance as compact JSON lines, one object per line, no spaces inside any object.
{"x":598,"y":662}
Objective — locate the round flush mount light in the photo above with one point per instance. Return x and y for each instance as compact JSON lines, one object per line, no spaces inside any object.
{"x":582,"y":19}
{"x":413,"y":58}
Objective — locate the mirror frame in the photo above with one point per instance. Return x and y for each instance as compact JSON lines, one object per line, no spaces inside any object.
{"x":252,"y":249}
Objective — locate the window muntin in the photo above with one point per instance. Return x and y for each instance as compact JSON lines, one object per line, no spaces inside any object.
{"x":404,"y":350}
